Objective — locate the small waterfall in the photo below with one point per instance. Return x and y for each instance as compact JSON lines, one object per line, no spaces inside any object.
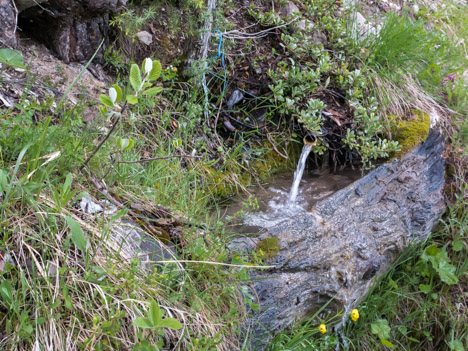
{"x":298,"y":174}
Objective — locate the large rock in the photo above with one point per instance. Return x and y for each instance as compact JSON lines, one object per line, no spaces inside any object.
{"x":7,"y":24}
{"x":339,"y":248}
{"x":74,"y":29}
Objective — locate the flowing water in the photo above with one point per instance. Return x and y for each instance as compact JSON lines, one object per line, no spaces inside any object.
{"x":298,"y":174}
{"x":273,"y":202}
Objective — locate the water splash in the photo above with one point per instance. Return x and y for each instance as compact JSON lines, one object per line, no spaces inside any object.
{"x":298,"y":174}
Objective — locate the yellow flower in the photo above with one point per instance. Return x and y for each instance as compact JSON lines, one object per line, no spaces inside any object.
{"x":322,"y":328}
{"x":174,"y":69}
{"x":354,"y":315}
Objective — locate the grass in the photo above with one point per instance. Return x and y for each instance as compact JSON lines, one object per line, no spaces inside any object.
{"x":65,"y":286}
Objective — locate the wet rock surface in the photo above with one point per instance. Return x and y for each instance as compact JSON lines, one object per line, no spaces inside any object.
{"x":74,"y":29}
{"x":337,"y":249}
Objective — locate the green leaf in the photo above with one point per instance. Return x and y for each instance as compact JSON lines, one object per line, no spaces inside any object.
{"x":456,"y":345}
{"x":124,"y":144}
{"x":6,"y":292}
{"x":381,"y":328}
{"x":387,"y":343}
{"x":132,"y":99}
{"x":447,"y":273}
{"x":13,"y":58}
{"x":457,"y":245}
{"x":152,"y":91}
{"x":177,"y":142}
{"x":432,"y":250}
{"x":103,"y":109}
{"x":135,"y":77}
{"x":156,"y":71}
{"x":67,"y":184}
{"x":113,"y":94}
{"x":170,"y":323}
{"x":142,"y":322}
{"x":154,"y":314}
{"x":425,"y":288}
{"x":3,"y":180}
{"x":413,"y":339}
{"x":77,"y":235}
{"x":106,"y":101}
{"x":119,"y":93}
{"x":402,"y":329}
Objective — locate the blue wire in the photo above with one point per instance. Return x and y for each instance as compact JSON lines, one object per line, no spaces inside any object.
{"x":221,"y":56}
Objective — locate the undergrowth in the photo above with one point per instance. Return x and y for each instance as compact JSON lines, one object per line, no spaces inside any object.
{"x":167,"y":159}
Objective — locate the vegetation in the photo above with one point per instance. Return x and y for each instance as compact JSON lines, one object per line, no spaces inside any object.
{"x":162,"y":154}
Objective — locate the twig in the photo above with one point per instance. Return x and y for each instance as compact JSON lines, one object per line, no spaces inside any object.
{"x":16,"y":16}
{"x":211,"y":262}
{"x":160,"y":158}
{"x":118,"y":118}
{"x":216,"y":122}
{"x":235,"y":34}
{"x":274,"y":146}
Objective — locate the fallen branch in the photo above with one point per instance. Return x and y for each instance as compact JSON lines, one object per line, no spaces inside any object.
{"x":160,"y":158}
{"x":211,"y":262}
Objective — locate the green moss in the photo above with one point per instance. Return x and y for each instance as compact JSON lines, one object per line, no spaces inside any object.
{"x":230,"y":180}
{"x":271,"y":163}
{"x":411,"y":133}
{"x":268,"y":247}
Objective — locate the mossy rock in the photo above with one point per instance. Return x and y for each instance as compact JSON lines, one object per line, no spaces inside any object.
{"x":410,"y":133}
{"x":268,"y":247}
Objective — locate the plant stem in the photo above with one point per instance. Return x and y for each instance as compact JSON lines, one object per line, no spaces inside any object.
{"x":105,"y":138}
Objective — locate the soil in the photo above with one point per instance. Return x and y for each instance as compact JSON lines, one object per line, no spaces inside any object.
{"x":52,"y":77}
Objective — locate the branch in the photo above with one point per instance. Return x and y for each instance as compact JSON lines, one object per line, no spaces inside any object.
{"x":105,"y":139}
{"x":159,"y":158}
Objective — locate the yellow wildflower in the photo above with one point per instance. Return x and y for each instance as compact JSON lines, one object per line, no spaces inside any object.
{"x":322,"y":328}
{"x":354,"y":315}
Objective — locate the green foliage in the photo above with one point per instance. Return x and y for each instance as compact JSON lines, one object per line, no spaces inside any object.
{"x":64,"y":194}
{"x":131,"y":22}
{"x":154,"y":319}
{"x":13,"y":58}
{"x":268,"y":248}
{"x":381,"y":328}
{"x":77,"y":236}
{"x":436,"y":260}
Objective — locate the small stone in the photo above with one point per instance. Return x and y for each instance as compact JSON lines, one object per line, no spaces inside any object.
{"x":89,"y":206}
{"x":145,"y":37}
{"x":319,"y":38}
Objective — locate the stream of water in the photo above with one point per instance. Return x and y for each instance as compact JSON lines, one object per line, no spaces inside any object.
{"x":278,"y":200}
{"x":298,"y":174}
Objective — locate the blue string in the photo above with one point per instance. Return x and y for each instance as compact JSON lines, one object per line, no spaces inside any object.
{"x":221,"y":56}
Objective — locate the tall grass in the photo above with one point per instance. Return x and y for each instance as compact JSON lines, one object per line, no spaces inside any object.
{"x":411,"y":64}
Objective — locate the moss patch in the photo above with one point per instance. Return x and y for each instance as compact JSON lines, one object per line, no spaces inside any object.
{"x":411,"y":133}
{"x":268,"y":247}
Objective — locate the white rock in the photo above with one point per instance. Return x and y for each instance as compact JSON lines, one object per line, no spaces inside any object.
{"x":291,"y":10}
{"x":362,"y":28}
{"x":89,"y":206}
{"x":434,"y":117}
{"x":145,"y":37}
